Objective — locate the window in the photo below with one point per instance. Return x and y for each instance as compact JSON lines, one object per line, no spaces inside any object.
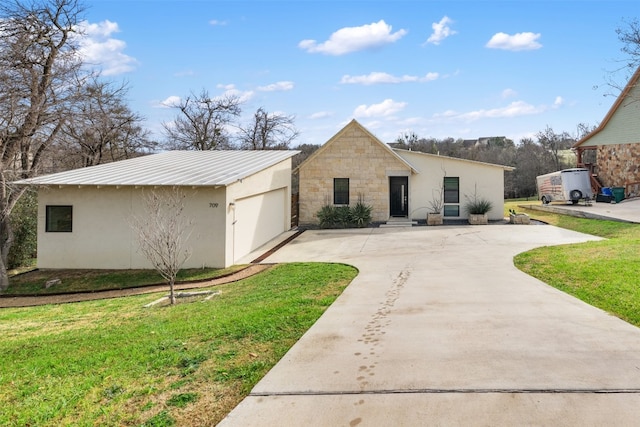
{"x":340,"y":191}
{"x":451,"y":195}
{"x":59,"y":219}
{"x":451,"y":210}
{"x":451,"y":189}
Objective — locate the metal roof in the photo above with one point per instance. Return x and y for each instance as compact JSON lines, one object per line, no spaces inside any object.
{"x":400,"y":152}
{"x":171,"y":168}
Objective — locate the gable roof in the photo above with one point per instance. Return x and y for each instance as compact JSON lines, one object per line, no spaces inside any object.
{"x":351,"y":124}
{"x":401,"y":151}
{"x":633,"y":82}
{"x":171,"y":168}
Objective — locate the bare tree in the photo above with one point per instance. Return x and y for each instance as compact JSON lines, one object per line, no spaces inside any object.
{"x":104,"y":129}
{"x":268,"y":132}
{"x":39,"y":66}
{"x":553,"y":143}
{"x":202,"y":122}
{"x":531,"y":160}
{"x":629,"y":36}
{"x":406,"y":141}
{"x":162,"y":230}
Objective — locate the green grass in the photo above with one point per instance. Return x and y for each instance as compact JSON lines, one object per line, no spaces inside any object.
{"x":32,"y":282}
{"x":605,"y":274}
{"x":114,"y":363}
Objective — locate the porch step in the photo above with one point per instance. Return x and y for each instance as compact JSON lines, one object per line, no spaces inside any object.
{"x":399,"y":222}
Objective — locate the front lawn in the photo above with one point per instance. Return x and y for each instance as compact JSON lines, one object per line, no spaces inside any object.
{"x":114,"y":363}
{"x":33,"y":282}
{"x":605,"y":274}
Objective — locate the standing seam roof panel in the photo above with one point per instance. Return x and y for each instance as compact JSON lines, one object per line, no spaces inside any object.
{"x":189,"y":168}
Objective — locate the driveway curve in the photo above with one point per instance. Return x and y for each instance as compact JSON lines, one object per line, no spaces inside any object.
{"x":439,"y":328}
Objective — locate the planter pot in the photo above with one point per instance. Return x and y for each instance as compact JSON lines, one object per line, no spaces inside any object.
{"x":434,"y":219}
{"x":519,"y":219}
{"x":478,"y":219}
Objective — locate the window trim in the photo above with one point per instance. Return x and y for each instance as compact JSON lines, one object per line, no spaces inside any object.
{"x":48,"y":218}
{"x":340,"y":195}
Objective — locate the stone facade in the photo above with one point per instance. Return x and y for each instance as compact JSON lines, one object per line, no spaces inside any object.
{"x":356,"y":154}
{"x":619,"y":164}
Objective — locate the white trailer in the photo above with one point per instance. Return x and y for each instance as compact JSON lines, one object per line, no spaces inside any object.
{"x":568,"y":186}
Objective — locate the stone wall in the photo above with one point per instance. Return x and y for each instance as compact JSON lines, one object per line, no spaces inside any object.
{"x":355,"y":154}
{"x":618,"y":165}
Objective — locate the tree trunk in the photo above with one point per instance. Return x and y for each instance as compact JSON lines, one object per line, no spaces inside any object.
{"x":4,"y":278}
{"x":172,"y":294}
{"x":5,"y":246}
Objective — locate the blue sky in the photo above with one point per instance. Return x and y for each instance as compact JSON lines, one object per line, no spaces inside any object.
{"x":461,"y":69}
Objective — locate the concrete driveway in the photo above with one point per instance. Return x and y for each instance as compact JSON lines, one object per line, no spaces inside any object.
{"x":627,"y":210}
{"x":439,"y":328}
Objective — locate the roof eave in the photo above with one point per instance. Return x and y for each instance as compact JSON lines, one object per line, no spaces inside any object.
{"x":633,"y":81}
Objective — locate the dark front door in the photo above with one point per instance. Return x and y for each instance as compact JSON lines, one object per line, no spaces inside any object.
{"x":399,"y":195}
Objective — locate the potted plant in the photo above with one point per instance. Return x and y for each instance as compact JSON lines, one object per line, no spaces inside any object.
{"x":518,"y":218}
{"x":478,"y":209}
{"x":436,"y":204}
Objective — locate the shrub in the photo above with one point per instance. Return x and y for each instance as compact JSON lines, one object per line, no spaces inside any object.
{"x":477,"y":205}
{"x":24,"y":219}
{"x":361,"y":214}
{"x":330,"y":216}
{"x":343,"y":216}
{"x":327,"y":216}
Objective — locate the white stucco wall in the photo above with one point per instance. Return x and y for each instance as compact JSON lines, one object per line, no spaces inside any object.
{"x":261,"y":210}
{"x":484,"y":179}
{"x":103,"y":239}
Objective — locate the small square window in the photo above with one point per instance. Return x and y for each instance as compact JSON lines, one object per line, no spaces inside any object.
{"x":59,"y":219}
{"x":451,"y":210}
{"x":340,"y":191}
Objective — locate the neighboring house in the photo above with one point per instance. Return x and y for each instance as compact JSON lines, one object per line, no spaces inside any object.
{"x":238,"y":200}
{"x":354,"y":165}
{"x":616,"y":142}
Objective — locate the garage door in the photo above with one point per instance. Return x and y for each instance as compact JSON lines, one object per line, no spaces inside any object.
{"x":259,"y":219}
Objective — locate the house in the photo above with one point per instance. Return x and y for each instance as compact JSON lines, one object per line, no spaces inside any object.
{"x":237,"y":200}
{"x":612,"y":151}
{"x":355,"y":165}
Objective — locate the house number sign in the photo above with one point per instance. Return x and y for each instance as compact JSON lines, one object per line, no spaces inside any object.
{"x":213,"y":205}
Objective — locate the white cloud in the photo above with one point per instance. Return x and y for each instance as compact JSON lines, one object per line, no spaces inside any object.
{"x":515,"y":109}
{"x":380,"y":77}
{"x":229,"y":86}
{"x":558,"y":102}
{"x":169,"y":102}
{"x":276,"y":87}
{"x":519,"y":41}
{"x":441,"y":30}
{"x":321,"y":115}
{"x":383,"y":109}
{"x":230,"y":90}
{"x":100,"y":50}
{"x":353,"y":39}
{"x":217,"y":23}
{"x":509,"y":93}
